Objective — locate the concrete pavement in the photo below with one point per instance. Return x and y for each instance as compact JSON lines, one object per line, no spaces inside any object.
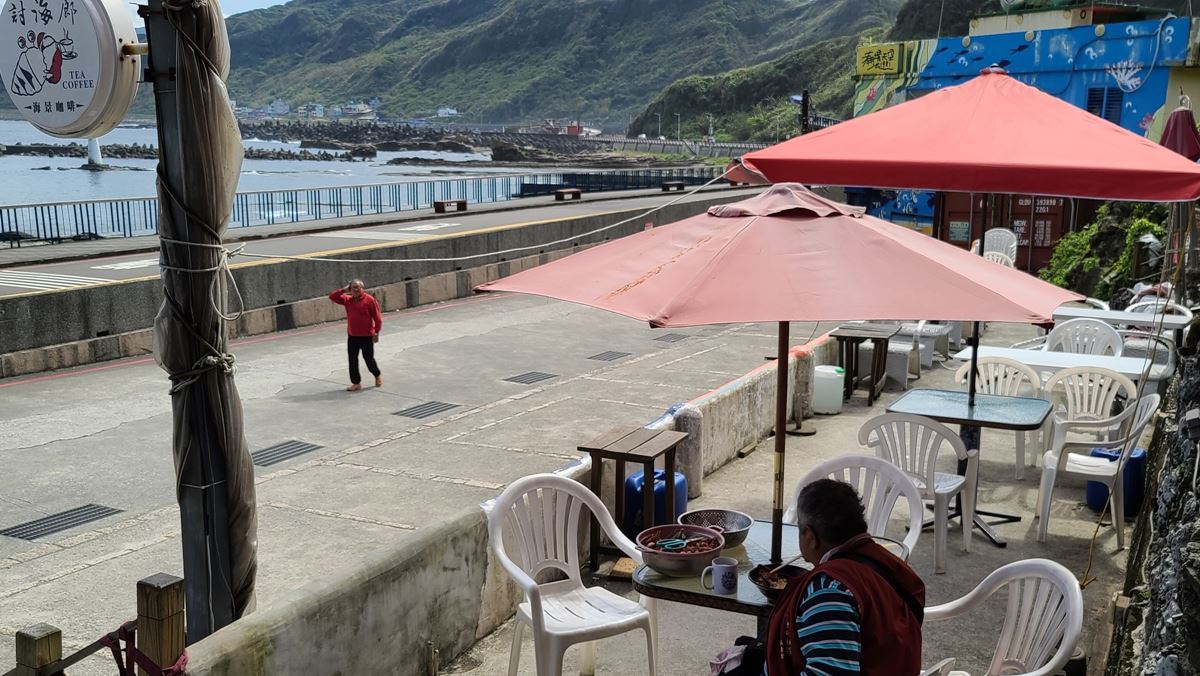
{"x":690,"y":635}
{"x":101,"y":435}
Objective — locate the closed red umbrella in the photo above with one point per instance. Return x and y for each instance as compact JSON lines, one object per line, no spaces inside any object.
{"x":1180,"y":134}
{"x":787,"y":255}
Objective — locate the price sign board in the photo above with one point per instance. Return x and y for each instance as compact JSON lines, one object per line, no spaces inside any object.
{"x":62,"y":64}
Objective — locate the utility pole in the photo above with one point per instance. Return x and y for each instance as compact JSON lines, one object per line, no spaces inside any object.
{"x":805,"y":121}
{"x":710,"y":123}
{"x":201,"y":479}
{"x":659,"y":123}
{"x":678,"y":132}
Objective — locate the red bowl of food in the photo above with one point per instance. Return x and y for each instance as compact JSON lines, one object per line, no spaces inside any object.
{"x":702,"y":545}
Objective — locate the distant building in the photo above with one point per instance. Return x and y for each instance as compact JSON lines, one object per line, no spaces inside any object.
{"x":1124,"y":63}
{"x":278,"y":108}
{"x":448,"y":112}
{"x":311,"y":111}
{"x":358,"y":112}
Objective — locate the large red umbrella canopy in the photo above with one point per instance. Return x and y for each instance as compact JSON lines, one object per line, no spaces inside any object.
{"x":990,"y":134}
{"x":788,"y":254}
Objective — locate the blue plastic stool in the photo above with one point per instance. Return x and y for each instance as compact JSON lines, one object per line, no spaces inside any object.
{"x":1135,"y":481}
{"x":631,"y":525}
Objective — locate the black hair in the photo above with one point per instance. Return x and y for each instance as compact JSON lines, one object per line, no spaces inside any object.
{"x":832,"y":509}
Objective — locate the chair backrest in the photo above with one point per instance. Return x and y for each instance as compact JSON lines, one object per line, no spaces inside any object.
{"x":879,"y":483}
{"x":912,"y":443}
{"x":1001,"y":375}
{"x":1087,"y":392}
{"x":1095,"y":302}
{"x":1084,"y":336}
{"x":1000,"y":240}
{"x":1147,"y":406}
{"x":1042,"y":622}
{"x":539,"y":516}
{"x":999,"y":257}
{"x":1153,"y":307}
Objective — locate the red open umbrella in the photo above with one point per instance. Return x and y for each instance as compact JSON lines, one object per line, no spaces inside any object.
{"x":990,"y":134}
{"x":787,"y":255}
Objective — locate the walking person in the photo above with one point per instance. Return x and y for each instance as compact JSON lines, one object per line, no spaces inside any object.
{"x":363,"y":322}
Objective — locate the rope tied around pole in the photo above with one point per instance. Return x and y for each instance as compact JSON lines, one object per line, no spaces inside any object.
{"x":122,"y":643}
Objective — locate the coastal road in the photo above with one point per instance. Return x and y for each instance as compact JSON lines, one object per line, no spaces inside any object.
{"x":106,"y":269}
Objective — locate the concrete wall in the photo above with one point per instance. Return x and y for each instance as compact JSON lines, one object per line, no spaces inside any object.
{"x":376,"y":616}
{"x":60,"y":329}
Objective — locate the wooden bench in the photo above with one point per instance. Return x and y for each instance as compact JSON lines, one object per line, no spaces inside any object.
{"x":439,"y":206}
{"x":563,"y":193}
{"x":668,"y":186}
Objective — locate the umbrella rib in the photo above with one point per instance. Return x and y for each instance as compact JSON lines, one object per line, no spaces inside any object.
{"x":691,"y":289}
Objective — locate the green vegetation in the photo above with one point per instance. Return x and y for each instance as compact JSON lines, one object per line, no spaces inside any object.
{"x":752,"y":103}
{"x":1097,"y":260}
{"x":505,"y":60}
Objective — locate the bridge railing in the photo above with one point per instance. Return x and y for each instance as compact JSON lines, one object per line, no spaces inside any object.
{"x":139,"y":216}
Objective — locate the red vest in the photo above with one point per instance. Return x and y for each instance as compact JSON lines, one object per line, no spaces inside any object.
{"x":888,"y":631}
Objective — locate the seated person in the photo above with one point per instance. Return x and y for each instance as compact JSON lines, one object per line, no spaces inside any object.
{"x":858,"y":611}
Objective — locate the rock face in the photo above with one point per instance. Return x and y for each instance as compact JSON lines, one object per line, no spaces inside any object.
{"x":1165,"y":565}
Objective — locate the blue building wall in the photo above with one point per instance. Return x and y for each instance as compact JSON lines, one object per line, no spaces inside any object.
{"x":1121,"y":71}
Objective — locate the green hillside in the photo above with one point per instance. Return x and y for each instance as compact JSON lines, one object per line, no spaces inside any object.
{"x":504,"y":60}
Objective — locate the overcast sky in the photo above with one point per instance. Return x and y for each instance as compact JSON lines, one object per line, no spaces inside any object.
{"x":227,"y":6}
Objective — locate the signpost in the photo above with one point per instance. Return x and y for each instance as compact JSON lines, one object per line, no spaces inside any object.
{"x":68,"y":65}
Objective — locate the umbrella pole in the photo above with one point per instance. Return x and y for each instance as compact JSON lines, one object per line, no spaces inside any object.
{"x":974,"y":361}
{"x":781,"y":394}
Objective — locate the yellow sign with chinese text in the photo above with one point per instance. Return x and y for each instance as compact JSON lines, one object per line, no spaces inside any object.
{"x":879,"y":59}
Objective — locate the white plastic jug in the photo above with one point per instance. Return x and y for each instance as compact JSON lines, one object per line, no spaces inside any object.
{"x":827,"y":389}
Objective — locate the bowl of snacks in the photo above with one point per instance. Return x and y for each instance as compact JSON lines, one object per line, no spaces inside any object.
{"x":734,"y":526}
{"x":679,"y":550}
{"x":772,"y":582}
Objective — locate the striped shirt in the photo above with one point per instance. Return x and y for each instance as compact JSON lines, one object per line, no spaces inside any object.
{"x":827,"y":624}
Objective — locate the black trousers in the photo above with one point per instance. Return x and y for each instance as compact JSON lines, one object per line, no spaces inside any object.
{"x":364,"y":344}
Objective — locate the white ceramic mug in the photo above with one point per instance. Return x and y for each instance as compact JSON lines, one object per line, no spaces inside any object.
{"x":724,"y":575}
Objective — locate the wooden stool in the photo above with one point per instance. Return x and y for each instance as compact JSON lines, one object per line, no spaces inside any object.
{"x":638,"y":445}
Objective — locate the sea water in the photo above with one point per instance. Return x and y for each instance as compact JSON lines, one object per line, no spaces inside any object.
{"x":30,"y":180}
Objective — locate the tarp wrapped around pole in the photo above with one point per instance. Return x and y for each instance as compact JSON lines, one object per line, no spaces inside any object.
{"x":200,"y":159}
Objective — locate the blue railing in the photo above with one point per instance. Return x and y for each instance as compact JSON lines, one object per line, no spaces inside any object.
{"x":139,"y":216}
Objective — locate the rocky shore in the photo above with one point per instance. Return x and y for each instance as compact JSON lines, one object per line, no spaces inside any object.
{"x":137,"y":151}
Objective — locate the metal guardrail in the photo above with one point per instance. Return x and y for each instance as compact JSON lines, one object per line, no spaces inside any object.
{"x":91,"y":219}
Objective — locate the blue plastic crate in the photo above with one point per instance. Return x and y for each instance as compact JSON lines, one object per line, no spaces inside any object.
{"x":1135,"y":481}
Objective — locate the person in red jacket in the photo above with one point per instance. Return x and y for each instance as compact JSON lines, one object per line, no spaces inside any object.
{"x":363,"y":322}
{"x":858,"y":611}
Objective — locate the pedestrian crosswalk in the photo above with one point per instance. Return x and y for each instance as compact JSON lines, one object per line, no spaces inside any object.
{"x":45,"y":281}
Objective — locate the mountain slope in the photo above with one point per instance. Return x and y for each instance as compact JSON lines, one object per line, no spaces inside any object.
{"x":600,"y":60}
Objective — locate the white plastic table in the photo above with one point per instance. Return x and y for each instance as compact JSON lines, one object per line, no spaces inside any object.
{"x":1130,"y":367}
{"x":1120,"y":317}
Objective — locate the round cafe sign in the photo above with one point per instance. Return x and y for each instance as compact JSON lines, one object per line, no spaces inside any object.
{"x":61,"y":63}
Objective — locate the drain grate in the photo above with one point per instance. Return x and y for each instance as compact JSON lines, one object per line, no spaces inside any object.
{"x":531,"y":377}
{"x":672,"y":337}
{"x":425,"y":410}
{"x":48,"y":525}
{"x":610,"y":356}
{"x":280,"y":452}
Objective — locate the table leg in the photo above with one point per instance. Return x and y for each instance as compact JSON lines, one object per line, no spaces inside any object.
{"x":669,"y":464}
{"x":844,"y":362}
{"x":878,"y":368}
{"x":971,"y":436}
{"x":648,"y":519}
{"x":619,"y":498}
{"x":597,"y":470}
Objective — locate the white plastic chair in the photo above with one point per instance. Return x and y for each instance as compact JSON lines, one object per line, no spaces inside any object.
{"x":1159,"y":306}
{"x":541,"y":513}
{"x":879,"y":483}
{"x":1144,"y":344}
{"x":912,"y":443}
{"x":1084,"y":336}
{"x":1001,"y":258}
{"x":1095,"y":302}
{"x":1042,"y":624}
{"x":1003,"y":376}
{"x":1065,"y":460}
{"x":1000,"y":240}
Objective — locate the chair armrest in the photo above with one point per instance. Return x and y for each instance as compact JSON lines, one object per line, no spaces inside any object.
{"x":1030,"y":344}
{"x":942,"y":668}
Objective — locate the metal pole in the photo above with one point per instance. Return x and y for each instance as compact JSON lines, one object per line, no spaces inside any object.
{"x":781,"y":394}
{"x":805,"y":121}
{"x":678,"y":129}
{"x":201,"y":474}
